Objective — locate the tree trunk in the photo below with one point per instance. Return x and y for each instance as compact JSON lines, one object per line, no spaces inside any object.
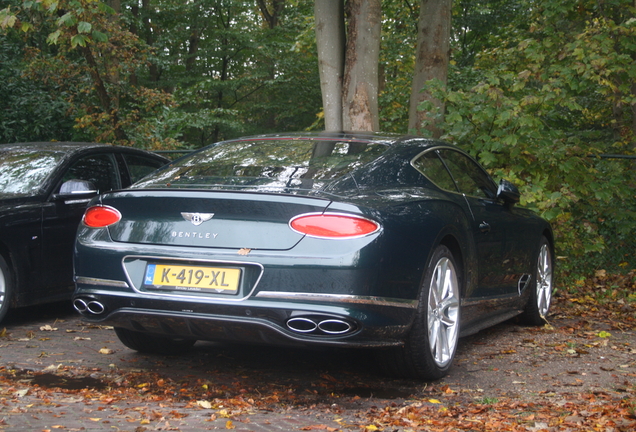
{"x":102,"y":93}
{"x":271,"y":12}
{"x":330,"y":40}
{"x":432,"y":58}
{"x":360,"y":83}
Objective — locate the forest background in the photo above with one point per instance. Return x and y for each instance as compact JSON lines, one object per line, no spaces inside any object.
{"x":541,"y":92}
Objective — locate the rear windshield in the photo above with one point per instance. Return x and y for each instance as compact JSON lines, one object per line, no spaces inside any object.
{"x":305,"y":163}
{"x":23,"y":171}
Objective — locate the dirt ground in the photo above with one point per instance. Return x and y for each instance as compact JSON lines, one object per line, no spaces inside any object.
{"x":574,"y":357}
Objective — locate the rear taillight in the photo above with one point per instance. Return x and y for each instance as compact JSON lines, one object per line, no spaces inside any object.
{"x":101,"y":216}
{"x":333,"y":225}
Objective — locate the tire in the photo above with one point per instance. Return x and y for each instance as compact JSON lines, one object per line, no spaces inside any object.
{"x":430,"y":347}
{"x":152,"y":344}
{"x":538,"y":306}
{"x":6,"y":288}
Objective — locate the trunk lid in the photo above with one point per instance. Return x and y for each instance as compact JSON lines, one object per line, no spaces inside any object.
{"x":209,"y":218}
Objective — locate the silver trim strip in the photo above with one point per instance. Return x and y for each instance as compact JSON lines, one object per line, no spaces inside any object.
{"x":338,"y":298}
{"x":101,"y":282}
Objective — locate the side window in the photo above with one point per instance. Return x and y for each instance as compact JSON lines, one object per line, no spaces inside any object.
{"x":433,"y":168}
{"x":100,"y":169}
{"x":471,"y":179}
{"x":140,"y":166}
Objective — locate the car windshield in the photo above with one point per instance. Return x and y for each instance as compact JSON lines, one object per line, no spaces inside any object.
{"x":23,"y":170}
{"x":269,"y":163}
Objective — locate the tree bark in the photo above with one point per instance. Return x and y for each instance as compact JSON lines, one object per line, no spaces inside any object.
{"x":271,"y":13}
{"x":102,"y":93}
{"x":432,"y":59}
{"x":330,"y":40}
{"x":360,"y":83}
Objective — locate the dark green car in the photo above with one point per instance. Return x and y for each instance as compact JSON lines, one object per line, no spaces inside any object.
{"x":399,"y":243}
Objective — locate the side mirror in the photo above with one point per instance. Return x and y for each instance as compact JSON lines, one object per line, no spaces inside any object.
{"x":76,"y":188}
{"x":508,"y":192}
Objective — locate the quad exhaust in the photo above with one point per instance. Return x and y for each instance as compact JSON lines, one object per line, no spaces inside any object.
{"x":320,"y":325}
{"x":89,"y":306}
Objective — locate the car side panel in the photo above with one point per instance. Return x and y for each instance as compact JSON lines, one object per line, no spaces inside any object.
{"x":21,"y":234}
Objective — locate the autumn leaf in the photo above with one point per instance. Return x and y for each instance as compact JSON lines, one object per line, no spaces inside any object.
{"x":229,"y":425}
{"x":106,"y":351}
{"x":319,"y":427}
{"x":204,"y":404}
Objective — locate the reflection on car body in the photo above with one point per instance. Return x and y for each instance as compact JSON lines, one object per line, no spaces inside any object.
{"x":44,"y":190}
{"x":337,"y":239}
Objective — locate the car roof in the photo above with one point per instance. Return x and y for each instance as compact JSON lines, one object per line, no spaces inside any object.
{"x":55,"y":145}
{"x":71,"y":147}
{"x":380,"y":137}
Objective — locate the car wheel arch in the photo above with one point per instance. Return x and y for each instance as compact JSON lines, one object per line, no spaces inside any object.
{"x":463,"y":253}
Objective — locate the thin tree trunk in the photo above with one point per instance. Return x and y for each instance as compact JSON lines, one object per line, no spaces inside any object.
{"x":330,"y":39}
{"x":432,"y":58}
{"x":102,"y":93}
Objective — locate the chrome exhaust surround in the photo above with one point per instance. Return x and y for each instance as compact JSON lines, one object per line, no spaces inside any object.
{"x":320,"y":326}
{"x":88,"y":306}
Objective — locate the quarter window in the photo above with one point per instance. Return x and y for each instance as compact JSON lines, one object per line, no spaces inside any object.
{"x":471,"y":179}
{"x":433,"y":168}
{"x":139,"y":166}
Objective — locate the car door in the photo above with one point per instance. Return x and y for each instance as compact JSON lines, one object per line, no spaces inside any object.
{"x":492,"y":223}
{"x":61,"y":217}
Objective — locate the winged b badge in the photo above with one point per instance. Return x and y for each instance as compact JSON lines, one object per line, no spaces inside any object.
{"x":197,"y":218}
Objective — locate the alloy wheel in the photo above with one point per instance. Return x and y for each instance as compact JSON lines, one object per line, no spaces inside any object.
{"x":443,"y":312}
{"x":544,"y":280}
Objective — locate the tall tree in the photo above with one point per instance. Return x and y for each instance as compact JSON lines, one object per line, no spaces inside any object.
{"x":360,"y":81}
{"x":330,"y":41}
{"x":431,"y":61}
{"x":349,"y":87}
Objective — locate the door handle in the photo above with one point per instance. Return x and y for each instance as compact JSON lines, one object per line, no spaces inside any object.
{"x":484,"y":227}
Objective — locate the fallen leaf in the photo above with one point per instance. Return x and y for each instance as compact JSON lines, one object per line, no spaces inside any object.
{"x":106,"y":351}
{"x":244,"y":251}
{"x":21,"y":393}
{"x":204,"y":404}
{"x":319,"y":427}
{"x":229,"y":425}
{"x":48,"y":328}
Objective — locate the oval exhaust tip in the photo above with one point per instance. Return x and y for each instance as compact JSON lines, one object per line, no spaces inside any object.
{"x":80,"y":305}
{"x":301,"y":325}
{"x":334,"y":326}
{"x":95,"y":307}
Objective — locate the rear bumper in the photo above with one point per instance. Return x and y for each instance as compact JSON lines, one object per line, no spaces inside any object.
{"x":271,"y":319}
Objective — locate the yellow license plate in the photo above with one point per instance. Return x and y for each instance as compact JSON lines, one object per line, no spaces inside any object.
{"x":193,"y":278}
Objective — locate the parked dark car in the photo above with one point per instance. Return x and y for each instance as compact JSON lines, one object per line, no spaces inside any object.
{"x":44,"y":191}
{"x":351,"y":240}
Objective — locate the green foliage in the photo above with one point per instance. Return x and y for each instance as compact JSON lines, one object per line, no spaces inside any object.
{"x":397,"y":62}
{"x":540,"y":109}
{"x":165,"y":73}
{"x":31,"y":111}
